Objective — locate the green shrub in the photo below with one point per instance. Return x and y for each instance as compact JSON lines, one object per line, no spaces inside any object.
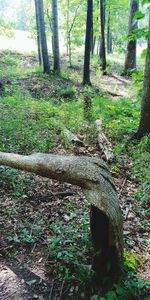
{"x":67,"y":93}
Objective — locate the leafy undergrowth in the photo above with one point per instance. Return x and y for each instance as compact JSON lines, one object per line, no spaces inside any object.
{"x":45,"y":224}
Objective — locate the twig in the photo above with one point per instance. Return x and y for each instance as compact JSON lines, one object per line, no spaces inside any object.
{"x":61,"y":290}
{"x":122,"y":187}
{"x":74,"y":19}
{"x":34,"y":246}
{"x":31,"y":231}
{"x":119,"y":79}
{"x":51,"y":291}
{"x":46,"y":259}
{"x":63,"y":194}
{"x":114,"y":94}
{"x":127,"y":214}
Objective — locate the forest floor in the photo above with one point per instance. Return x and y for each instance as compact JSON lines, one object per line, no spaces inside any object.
{"x":45,"y":247}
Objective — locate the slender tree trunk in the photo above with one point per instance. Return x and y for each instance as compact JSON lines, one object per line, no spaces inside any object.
{"x":130,"y":61}
{"x":69,"y":30}
{"x":38,"y":35}
{"x":144,"y":126}
{"x":46,"y":66}
{"x":69,"y":49}
{"x":55,"y":37}
{"x":93,"y":176}
{"x":109,"y":43}
{"x":92,"y":38}
{"x":93,"y":42}
{"x":109,"y":35}
{"x":86,"y":72}
{"x":68,"y":17}
{"x":102,"y":46}
{"x":103,"y":14}
{"x":96,"y":40}
{"x":98,"y":46}
{"x":51,"y":28}
{"x":93,"y":45}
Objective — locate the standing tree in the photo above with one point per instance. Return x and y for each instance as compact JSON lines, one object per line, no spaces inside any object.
{"x":109,"y":33}
{"x":102,"y":46}
{"x":70,"y":26}
{"x":95,"y":30}
{"x":38,"y":35}
{"x":44,"y":50}
{"x":144,"y":126}
{"x":130,"y":61}
{"x":55,"y":37}
{"x":67,"y":24}
{"x":86,"y":72}
{"x":92,"y":40}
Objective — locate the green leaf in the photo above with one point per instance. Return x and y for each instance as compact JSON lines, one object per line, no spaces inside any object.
{"x":111,"y":296}
{"x":145,"y":2}
{"x":139,"y":15}
{"x":143,"y":54}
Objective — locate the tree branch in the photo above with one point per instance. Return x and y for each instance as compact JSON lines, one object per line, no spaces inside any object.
{"x":75,"y":15}
{"x":93,"y":176}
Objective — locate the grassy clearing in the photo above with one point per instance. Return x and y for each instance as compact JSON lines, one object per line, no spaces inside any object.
{"x":35,"y":124}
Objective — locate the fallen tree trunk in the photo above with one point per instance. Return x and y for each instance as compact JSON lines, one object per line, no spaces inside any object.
{"x":93,"y":176}
{"x":103,"y":141}
{"x":72,"y":138}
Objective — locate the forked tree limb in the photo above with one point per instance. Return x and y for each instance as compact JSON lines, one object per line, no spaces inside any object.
{"x":93,"y":176}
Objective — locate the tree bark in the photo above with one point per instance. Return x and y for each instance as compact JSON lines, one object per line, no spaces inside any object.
{"x":102,"y":44}
{"x":68,"y":20}
{"x":93,"y":44}
{"x":103,"y":142}
{"x":93,"y":176}
{"x":144,"y":126}
{"x":103,"y":13}
{"x":109,"y":35}
{"x":86,"y":72}
{"x":45,"y":58}
{"x":69,"y":49}
{"x":93,"y":38}
{"x":130,"y":61}
{"x":38,"y":35}
{"x":72,"y":138}
{"x":55,"y":37}
{"x":51,"y":28}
